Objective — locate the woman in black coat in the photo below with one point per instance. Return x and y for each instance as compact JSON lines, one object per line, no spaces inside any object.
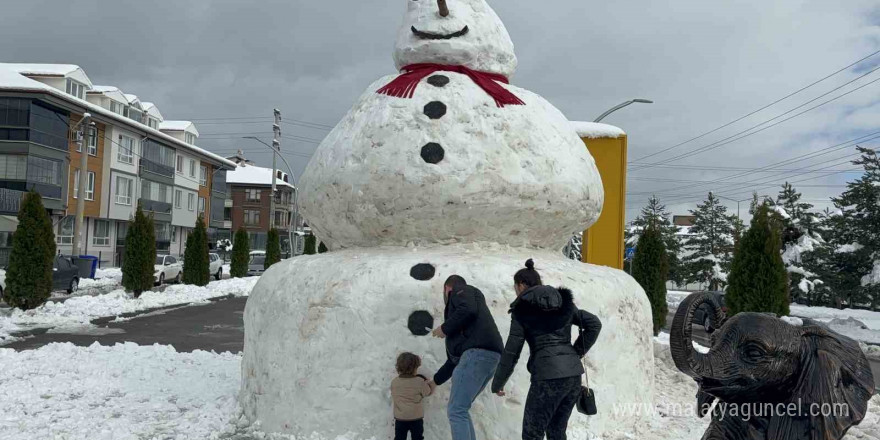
{"x":542,"y":316}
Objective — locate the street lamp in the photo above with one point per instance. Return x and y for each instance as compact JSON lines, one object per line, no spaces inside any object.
{"x":620,"y":106}
{"x":765,"y":197}
{"x":293,"y":225}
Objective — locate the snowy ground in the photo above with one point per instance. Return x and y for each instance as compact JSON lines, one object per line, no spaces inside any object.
{"x":861,"y":325}
{"x":76,"y":313}
{"x":134,"y":392}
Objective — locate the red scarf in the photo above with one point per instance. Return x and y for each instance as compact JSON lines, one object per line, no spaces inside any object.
{"x":405,"y":85}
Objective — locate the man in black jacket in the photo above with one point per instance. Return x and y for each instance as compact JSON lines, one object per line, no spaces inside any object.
{"x":473,"y":350}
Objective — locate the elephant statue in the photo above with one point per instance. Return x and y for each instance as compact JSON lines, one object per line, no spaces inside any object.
{"x":769,"y":378}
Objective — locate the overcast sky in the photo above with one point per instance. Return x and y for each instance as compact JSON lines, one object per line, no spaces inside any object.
{"x":704,"y":64}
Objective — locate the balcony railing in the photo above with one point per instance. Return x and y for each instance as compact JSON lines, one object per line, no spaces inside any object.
{"x":154,"y":206}
{"x":156,"y":168}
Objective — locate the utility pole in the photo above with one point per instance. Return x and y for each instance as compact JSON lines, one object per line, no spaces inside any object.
{"x":276,"y":147}
{"x":83,"y":141}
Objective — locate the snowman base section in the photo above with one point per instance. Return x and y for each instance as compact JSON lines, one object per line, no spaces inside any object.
{"x":322,"y":334}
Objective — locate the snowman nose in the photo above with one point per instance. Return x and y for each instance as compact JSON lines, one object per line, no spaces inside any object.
{"x":444,"y":10}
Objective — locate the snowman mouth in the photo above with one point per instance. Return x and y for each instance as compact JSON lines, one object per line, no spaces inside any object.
{"x":434,"y":36}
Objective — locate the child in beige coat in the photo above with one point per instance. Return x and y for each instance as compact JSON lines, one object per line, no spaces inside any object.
{"x":408,"y":390}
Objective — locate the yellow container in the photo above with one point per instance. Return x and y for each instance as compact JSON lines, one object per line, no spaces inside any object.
{"x":603,"y":242}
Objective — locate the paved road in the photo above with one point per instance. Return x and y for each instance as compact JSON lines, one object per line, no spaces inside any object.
{"x":701,"y":337}
{"x":216,"y":326}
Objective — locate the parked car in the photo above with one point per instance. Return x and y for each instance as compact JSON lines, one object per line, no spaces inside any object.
{"x":702,"y":314}
{"x":65,"y":276}
{"x":167,"y":268}
{"x":216,"y":266}
{"x":256,"y":265}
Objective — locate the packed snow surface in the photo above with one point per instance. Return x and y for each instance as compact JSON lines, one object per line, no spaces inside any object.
{"x":861,"y":325}
{"x":531,"y":182}
{"x":486,"y":47}
{"x":144,"y":392}
{"x":332,"y":345}
{"x":596,"y":130}
{"x":78,"y":312}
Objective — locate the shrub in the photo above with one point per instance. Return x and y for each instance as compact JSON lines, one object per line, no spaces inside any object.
{"x":138,"y":264}
{"x":650,"y":268}
{"x":196,"y":265}
{"x":758,"y":279}
{"x":273,"y":248}
{"x":29,"y":278}
{"x":241,"y":254}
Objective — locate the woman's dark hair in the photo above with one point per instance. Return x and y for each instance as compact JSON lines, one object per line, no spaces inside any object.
{"x":408,"y":364}
{"x":528,"y":276}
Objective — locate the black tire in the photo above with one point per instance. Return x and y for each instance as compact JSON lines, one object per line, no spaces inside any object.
{"x":177,"y":279}
{"x":162,"y":278}
{"x":219,"y":275}
{"x":74,"y":285}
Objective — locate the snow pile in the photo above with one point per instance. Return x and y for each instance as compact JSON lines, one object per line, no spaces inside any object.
{"x":132,"y":392}
{"x":109,"y":272}
{"x":78,"y":312}
{"x":873,"y":277}
{"x":333,"y":343}
{"x":781,"y":211}
{"x":121,"y":392}
{"x":674,"y":298}
{"x":849,"y":248}
{"x":861,"y":325}
{"x":793,"y":253}
{"x":663,"y":339}
{"x":595,"y":130}
{"x":797,"y":322}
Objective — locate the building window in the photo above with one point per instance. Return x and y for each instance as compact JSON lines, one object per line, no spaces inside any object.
{"x":251,"y":217}
{"x":90,"y":188}
{"x":76,"y":89}
{"x":157,"y":192}
{"x":191,"y":202}
{"x":179,"y":164}
{"x":192,"y":168}
{"x":47,"y":127}
{"x":45,"y":171}
{"x":126,"y":150}
{"x":102,"y":233}
{"x":202,"y":202}
{"x":163,"y":232}
{"x":252,"y":195}
{"x":203,"y":176}
{"x":178,"y":196}
{"x":117,"y":108}
{"x":153,"y":123}
{"x":123,"y":191}
{"x":190,"y":138}
{"x":13,"y":167}
{"x":93,"y":141}
{"x":174,"y":234}
{"x":65,"y":231}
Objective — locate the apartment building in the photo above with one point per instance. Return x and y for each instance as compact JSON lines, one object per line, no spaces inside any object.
{"x":250,"y":199}
{"x":135,"y":157}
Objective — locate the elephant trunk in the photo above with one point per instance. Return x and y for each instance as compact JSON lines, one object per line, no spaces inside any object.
{"x":688,"y":360}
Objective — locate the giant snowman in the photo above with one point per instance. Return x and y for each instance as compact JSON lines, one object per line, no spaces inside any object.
{"x":442,"y":169}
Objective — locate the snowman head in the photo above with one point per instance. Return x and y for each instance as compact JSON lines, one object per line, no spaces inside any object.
{"x":455,"y":32}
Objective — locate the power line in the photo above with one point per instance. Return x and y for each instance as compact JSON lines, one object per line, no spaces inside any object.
{"x":758,"y":110}
{"x":735,"y":137}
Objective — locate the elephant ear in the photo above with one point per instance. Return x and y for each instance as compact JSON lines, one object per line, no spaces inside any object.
{"x":835,"y":384}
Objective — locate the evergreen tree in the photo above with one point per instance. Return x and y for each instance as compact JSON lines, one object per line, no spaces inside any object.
{"x":29,"y":277}
{"x":650,"y":268}
{"x":310,"y":245}
{"x":655,"y":213}
{"x":758,"y":279}
{"x":196,"y":264}
{"x":241,"y":254}
{"x":273,"y":248}
{"x":801,"y":220}
{"x":710,"y":244}
{"x":853,"y":242}
{"x":138,"y":264}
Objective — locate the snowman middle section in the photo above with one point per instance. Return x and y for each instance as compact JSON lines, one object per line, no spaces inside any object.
{"x":323,"y":332}
{"x":448,"y":165}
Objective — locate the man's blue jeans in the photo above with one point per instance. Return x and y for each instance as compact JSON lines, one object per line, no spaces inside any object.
{"x":474,"y":371}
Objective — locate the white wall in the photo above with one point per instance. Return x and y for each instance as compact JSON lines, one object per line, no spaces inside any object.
{"x":185,"y":179}
{"x":183,"y":216}
{"x":118,"y":211}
